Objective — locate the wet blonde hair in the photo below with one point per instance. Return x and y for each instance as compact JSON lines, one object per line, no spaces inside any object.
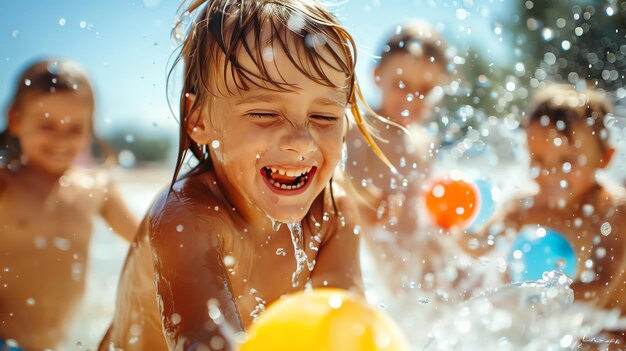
{"x":221,"y":32}
{"x":564,"y":103}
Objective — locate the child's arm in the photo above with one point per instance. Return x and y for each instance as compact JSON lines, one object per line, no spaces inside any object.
{"x":338,"y":258}
{"x":606,"y":290}
{"x":195,"y":299}
{"x":117,"y":215}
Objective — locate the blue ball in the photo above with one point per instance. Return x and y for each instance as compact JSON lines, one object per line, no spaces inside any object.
{"x":539,"y":249}
{"x":486,"y":204}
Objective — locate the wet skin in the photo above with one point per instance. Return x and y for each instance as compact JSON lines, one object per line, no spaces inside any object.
{"x":46,"y":213}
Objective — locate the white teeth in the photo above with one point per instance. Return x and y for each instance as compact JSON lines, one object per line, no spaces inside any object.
{"x":291,"y":172}
{"x":289,"y":187}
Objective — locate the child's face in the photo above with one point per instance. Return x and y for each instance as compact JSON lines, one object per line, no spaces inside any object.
{"x":53,"y":129}
{"x":278,"y":150}
{"x":566,"y":167}
{"x":405,"y":82}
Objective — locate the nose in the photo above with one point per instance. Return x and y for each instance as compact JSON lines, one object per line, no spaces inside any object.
{"x":299,"y":141}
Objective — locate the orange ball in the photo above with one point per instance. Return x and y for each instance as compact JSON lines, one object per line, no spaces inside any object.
{"x":452,"y":202}
{"x":324,"y":319}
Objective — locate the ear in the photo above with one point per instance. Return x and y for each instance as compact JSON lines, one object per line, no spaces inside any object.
{"x":376,"y":75}
{"x":195,"y":121}
{"x":608,"y":155}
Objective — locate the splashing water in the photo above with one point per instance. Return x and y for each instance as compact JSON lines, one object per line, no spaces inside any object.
{"x":533,"y":315}
{"x":295,"y":228}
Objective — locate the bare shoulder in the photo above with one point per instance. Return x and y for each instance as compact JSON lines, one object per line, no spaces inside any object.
{"x":189,"y":205}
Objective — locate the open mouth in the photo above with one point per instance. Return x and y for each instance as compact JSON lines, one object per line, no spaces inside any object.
{"x":288,"y":179}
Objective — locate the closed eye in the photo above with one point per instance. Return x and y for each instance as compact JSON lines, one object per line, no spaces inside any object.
{"x":262,"y":115}
{"x":325,"y":118}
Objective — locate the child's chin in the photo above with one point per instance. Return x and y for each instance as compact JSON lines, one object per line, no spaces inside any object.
{"x":286,"y":215}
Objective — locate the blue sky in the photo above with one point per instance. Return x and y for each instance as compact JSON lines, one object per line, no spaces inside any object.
{"x":125,"y":45}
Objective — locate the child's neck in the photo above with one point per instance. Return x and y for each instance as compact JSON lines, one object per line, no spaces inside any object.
{"x":37,"y":178}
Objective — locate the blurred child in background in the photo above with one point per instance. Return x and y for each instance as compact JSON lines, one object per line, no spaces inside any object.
{"x":47,"y":204}
{"x":410,"y":74}
{"x":568,"y":144}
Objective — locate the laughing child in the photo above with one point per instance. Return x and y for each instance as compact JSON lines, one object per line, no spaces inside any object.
{"x":263,"y":112}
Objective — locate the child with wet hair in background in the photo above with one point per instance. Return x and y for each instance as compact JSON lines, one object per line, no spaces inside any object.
{"x":263,"y":112}
{"x":411,"y":73}
{"x":568,"y":144}
{"x":47,"y":204}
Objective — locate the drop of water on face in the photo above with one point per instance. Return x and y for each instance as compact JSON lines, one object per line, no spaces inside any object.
{"x":605,"y":228}
{"x":587,"y":210}
{"x":180,"y":228}
{"x":326,"y":217}
{"x":281,"y":252}
{"x":62,"y":22}
{"x":600,"y":253}
{"x":405,"y":113}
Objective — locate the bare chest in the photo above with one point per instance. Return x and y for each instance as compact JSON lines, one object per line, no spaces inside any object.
{"x":278,"y":267}
{"x":60,"y":218}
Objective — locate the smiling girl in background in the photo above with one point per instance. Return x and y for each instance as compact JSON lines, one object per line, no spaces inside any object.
{"x":47,"y":205}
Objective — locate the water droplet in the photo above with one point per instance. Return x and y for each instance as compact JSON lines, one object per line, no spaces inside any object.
{"x":276,"y":225}
{"x":15,"y":33}
{"x":605,"y":228}
{"x":567,"y":167}
{"x":356,"y":230}
{"x":600,"y":253}
{"x":83,"y":24}
{"x":30,"y":301}
{"x":229,"y":261}
{"x":405,"y":113}
{"x":587,"y":210}
{"x":438,"y":191}
{"x":61,"y":22}
{"x":215,"y":144}
{"x":281,"y":252}
{"x":587,"y":276}
{"x":335,"y":302}
{"x":175,"y":318}
{"x":180,"y":228}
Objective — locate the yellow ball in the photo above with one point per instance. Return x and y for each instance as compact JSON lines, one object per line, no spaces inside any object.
{"x":323,"y":320}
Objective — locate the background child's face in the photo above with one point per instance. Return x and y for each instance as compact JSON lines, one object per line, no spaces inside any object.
{"x":53,"y":129}
{"x":566,"y":166}
{"x":278,"y":150}
{"x":405,"y":82}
